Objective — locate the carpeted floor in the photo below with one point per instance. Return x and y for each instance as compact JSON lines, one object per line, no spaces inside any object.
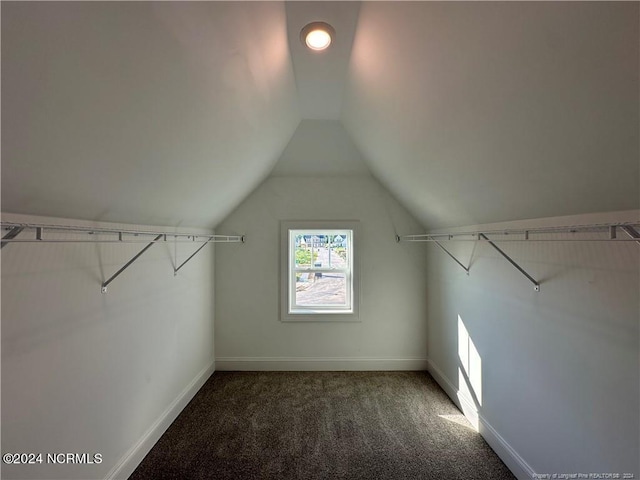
{"x":321,"y":425}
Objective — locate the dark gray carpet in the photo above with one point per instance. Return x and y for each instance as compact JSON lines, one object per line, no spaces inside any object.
{"x":321,"y":425}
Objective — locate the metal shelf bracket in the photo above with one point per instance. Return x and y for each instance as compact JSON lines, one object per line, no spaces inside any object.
{"x":108,"y":235}
{"x":175,"y":270}
{"x":12,"y":234}
{"x":107,"y":282}
{"x":598,"y":232}
{"x":466,"y":269}
{"x":632,"y":232}
{"x":430,"y":238}
{"x":512,"y":262}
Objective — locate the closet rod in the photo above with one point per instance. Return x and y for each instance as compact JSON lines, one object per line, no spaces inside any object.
{"x":123,"y":235}
{"x":607,"y":233}
{"x":43,"y":235}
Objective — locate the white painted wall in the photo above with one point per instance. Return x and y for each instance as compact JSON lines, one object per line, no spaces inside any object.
{"x":559,"y":370}
{"x":392,"y":331}
{"x":87,"y":372}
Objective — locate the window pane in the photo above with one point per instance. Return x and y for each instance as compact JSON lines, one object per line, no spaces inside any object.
{"x":305,"y":252}
{"x":336,"y":252}
{"x":321,"y":249}
{"x":315,"y":288}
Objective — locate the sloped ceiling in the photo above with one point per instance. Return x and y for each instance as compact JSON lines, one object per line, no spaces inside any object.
{"x":170,"y":113}
{"x":489,"y":111}
{"x":320,"y":148}
{"x":155,"y":113}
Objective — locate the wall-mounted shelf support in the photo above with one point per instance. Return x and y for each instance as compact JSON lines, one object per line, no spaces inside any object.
{"x":600,"y":232}
{"x":510,"y":260}
{"x":175,"y":270}
{"x":103,"y":235}
{"x":632,"y":232}
{"x":13,"y":232}
{"x":212,"y":239}
{"x":82,"y":234}
{"x":466,"y":269}
{"x":604,"y":232}
{"x":106,"y":283}
{"x":428,"y":238}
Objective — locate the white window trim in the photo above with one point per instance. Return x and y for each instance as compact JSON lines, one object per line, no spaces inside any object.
{"x":325,"y":314}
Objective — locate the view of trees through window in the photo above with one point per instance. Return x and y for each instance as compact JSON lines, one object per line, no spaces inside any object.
{"x":321,"y":268}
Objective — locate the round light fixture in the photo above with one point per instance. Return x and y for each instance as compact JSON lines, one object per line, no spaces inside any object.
{"x":317,"y":35}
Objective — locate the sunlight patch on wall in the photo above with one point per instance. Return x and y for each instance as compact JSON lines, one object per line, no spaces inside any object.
{"x":469,"y":407}
{"x":470,"y":362}
{"x":469,"y":375}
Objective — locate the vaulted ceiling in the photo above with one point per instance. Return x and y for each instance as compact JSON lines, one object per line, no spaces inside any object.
{"x":172,"y":113}
{"x":156,"y":113}
{"x":480,"y":112}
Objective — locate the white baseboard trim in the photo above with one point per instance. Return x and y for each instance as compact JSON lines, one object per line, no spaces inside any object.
{"x":518,"y":466}
{"x":130,"y":460}
{"x":462,"y":401}
{"x":292,"y":364}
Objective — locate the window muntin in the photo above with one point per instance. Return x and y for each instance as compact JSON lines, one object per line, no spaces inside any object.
{"x":320,"y":271}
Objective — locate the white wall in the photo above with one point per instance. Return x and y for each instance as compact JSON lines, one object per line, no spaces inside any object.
{"x":556,"y":372}
{"x":392,"y":330}
{"x":86,"y":372}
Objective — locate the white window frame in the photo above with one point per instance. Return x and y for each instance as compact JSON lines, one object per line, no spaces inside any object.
{"x":292,"y":313}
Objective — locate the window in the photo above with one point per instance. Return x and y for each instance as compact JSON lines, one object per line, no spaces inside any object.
{"x":319,"y":271}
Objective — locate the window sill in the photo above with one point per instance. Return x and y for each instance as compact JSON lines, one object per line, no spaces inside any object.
{"x":320,"y":317}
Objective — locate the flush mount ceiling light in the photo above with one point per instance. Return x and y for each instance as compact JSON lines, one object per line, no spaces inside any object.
{"x":317,"y":35}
